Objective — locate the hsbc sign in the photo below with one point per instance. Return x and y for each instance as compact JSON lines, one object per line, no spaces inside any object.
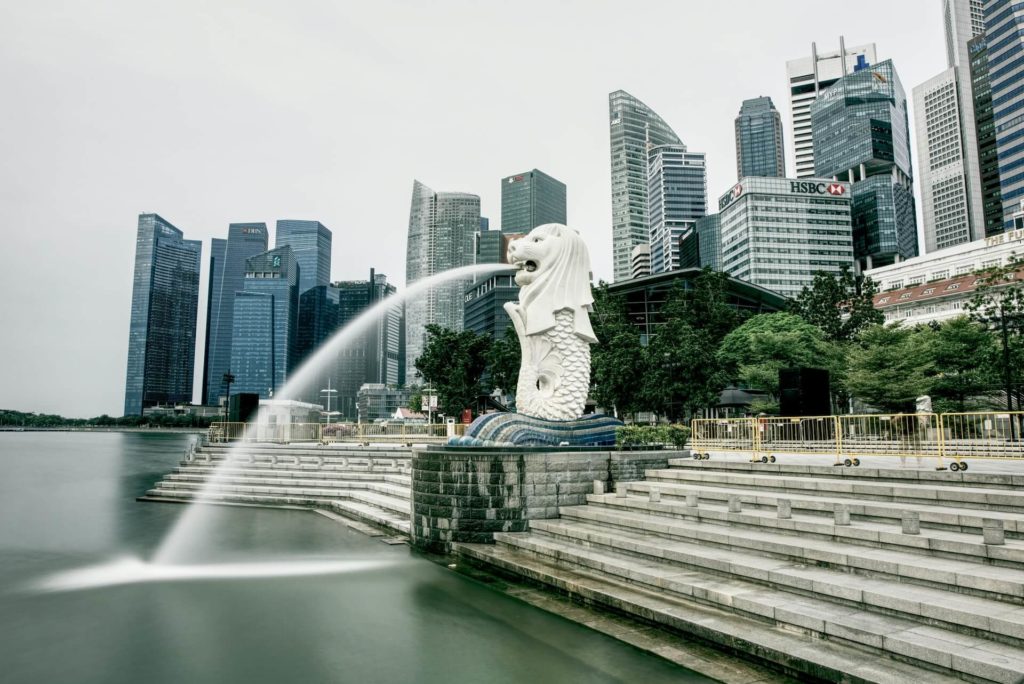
{"x":730,"y":196}
{"x":808,"y":188}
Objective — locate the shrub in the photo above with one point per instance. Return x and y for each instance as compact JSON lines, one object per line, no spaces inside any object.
{"x":674,"y":436}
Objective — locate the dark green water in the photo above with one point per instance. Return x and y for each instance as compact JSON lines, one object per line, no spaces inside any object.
{"x":67,"y":500}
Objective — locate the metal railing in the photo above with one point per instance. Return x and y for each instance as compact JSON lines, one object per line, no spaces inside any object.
{"x":848,"y":438}
{"x":327,"y":433}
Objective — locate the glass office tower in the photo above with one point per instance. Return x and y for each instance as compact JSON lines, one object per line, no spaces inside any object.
{"x":860,"y":127}
{"x":1004,"y":34}
{"x":677,"y":195}
{"x":633,"y":126}
{"x":165,"y":303}
{"x":227,"y":275}
{"x":531,"y":199}
{"x":441,"y":230}
{"x":265,"y":322}
{"x":759,"y":139}
{"x":311,"y":244}
{"x":988,"y":156}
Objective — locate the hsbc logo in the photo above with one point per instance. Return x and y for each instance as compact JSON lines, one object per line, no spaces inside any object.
{"x":807,"y":188}
{"x":730,"y":196}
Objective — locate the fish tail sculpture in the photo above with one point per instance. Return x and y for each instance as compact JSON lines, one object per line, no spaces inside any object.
{"x":552,"y":320}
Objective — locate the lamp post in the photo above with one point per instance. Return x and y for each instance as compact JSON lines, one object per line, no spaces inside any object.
{"x":328,"y":393}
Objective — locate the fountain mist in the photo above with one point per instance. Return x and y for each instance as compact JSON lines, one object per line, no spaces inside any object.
{"x":191,"y":523}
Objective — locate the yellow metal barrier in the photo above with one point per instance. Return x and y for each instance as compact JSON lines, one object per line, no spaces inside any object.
{"x":901,"y":435}
{"x":798,"y":435}
{"x":723,"y":434}
{"x":982,"y":435}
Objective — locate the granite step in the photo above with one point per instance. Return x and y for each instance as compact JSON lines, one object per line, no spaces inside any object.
{"x":249,"y":481}
{"x":972,"y":578}
{"x":963,"y":497}
{"x":317,"y":492}
{"x":949,"y":478}
{"x":987,"y":618}
{"x":936,"y":515}
{"x":326,"y":473}
{"x":376,"y":510}
{"x":908,"y":640}
{"x":934,"y":543}
{"x":793,"y":651}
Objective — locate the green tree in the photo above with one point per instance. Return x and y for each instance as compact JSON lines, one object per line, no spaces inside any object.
{"x":618,"y":361}
{"x":998,"y":304}
{"x":755,"y":352}
{"x":503,"y":361}
{"x":683,"y":375}
{"x":961,"y":354}
{"x":453,"y":362}
{"x":416,"y":400}
{"x":889,"y":366}
{"x":838,"y":304}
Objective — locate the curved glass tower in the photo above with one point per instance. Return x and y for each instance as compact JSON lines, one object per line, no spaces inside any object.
{"x":633,"y":127}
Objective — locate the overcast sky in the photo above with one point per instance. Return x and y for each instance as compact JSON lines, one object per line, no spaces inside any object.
{"x":213,"y":112}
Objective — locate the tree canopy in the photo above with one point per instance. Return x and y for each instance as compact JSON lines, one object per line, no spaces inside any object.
{"x":838,"y":304}
{"x":453,"y":362}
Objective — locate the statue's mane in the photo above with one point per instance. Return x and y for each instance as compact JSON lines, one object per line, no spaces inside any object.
{"x":565,"y":285}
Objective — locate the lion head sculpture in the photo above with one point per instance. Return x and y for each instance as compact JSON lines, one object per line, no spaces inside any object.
{"x":554,"y":274}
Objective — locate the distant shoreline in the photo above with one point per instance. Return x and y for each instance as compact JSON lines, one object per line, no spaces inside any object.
{"x":91,"y":428}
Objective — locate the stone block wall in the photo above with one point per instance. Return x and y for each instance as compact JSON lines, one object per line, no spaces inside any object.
{"x":466,"y":494}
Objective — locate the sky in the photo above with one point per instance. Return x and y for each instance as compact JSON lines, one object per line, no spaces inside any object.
{"x":213,"y":112}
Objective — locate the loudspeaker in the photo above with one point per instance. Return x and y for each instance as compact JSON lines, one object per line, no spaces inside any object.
{"x":242,"y":406}
{"x":804,"y":392}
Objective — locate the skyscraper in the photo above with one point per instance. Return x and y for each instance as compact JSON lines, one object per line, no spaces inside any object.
{"x":779,"y":232}
{"x":531,"y":199}
{"x":633,"y":126}
{"x":677,"y":195}
{"x":265,"y":322}
{"x":311,"y":244}
{"x":1004,"y":35}
{"x":441,"y":229}
{"x":165,"y":302}
{"x":860,"y":126}
{"x":988,"y":157}
{"x":759,"y":139}
{"x":808,"y":77}
{"x":702,"y":246}
{"x":227,"y":275}
{"x":947,"y":142}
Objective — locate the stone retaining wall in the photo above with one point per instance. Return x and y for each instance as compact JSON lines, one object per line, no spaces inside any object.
{"x":466,"y":494}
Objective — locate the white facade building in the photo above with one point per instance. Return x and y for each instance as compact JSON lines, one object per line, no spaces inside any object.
{"x":808,"y":76}
{"x":947,"y":139}
{"x":640,"y":261}
{"x":779,"y":232}
{"x":938,"y":286}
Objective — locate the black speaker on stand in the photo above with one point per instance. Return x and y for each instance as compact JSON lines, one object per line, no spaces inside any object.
{"x":804,"y":392}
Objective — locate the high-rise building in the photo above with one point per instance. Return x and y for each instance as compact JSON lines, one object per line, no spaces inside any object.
{"x":677,"y":195}
{"x":702,"y":246}
{"x":1004,"y":35}
{"x":808,"y":77}
{"x":485,"y":302}
{"x":640,"y":261}
{"x":779,"y":232}
{"x":947,"y":138}
{"x":861,"y":130}
{"x":988,"y":157}
{"x":227,"y":275}
{"x":265,"y":323}
{"x":759,"y":139}
{"x":633,"y":127}
{"x":441,"y":229}
{"x":318,"y":320}
{"x":311,"y":244}
{"x":374,"y":357}
{"x":531,"y":199}
{"x":165,"y":303}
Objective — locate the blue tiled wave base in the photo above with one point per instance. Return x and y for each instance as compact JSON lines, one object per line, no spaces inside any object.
{"x":517,"y":429}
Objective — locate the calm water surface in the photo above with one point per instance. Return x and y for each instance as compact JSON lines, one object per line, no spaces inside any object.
{"x":68,"y":500}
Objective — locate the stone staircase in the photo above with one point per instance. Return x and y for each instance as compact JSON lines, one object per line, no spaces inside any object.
{"x":371,"y":484}
{"x":835,"y":574}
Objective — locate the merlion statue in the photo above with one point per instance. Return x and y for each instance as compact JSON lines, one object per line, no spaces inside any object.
{"x":552,"y":320}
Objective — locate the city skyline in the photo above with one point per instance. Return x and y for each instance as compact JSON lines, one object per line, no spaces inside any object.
{"x":215,"y":168}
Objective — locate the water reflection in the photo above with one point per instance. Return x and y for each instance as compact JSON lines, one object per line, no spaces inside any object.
{"x":405,"y":620}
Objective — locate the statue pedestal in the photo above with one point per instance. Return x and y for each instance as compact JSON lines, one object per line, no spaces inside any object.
{"x":466,"y":494}
{"x":518,"y":429}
